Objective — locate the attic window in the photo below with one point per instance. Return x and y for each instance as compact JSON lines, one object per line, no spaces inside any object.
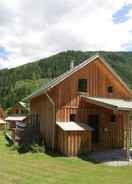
{"x":82,"y":85}
{"x":110,"y":89}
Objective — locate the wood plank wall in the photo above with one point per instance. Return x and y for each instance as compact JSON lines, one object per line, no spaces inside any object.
{"x":67,"y":100}
{"x":110,"y":134}
{"x":44,"y":108}
{"x":98,"y":77}
{"x":73,"y":143}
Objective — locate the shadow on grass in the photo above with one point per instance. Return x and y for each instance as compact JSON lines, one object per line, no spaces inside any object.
{"x":33,"y":148}
{"x":113,"y":155}
{"x":53,"y":153}
{"x":88,"y":158}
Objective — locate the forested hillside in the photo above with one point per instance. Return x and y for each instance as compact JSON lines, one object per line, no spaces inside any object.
{"x":17,"y":83}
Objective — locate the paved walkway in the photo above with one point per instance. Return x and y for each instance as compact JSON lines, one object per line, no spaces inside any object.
{"x":111,"y":158}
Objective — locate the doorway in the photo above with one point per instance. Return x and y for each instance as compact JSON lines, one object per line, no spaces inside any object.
{"x":93,"y":121}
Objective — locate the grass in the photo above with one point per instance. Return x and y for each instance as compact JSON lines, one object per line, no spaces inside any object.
{"x":40,"y":168}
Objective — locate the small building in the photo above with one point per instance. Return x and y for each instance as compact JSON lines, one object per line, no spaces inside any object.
{"x":23,"y":129}
{"x":20,"y":108}
{"x":18,"y":114}
{"x":2,"y":124}
{"x":14,"y":123}
{"x":86,"y":109}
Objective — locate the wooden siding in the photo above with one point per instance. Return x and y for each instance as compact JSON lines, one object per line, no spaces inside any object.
{"x":110,"y":134}
{"x":44,"y":108}
{"x":73,"y":143}
{"x":68,"y":101}
{"x":98,"y":77}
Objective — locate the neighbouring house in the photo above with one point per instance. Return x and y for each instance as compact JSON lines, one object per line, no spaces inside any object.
{"x":23,"y":129}
{"x":2,"y":113}
{"x":2,"y":124}
{"x":16,"y":124}
{"x":2,"y":116}
{"x":86,"y":109}
{"x":20,"y":108}
{"x":18,"y":120}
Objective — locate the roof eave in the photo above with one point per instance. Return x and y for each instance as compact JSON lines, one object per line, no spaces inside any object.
{"x":108,"y":106}
{"x":117,"y":76}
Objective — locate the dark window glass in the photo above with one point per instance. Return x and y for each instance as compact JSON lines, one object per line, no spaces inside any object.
{"x":17,"y":111}
{"x":72,"y":117}
{"x":82,"y":85}
{"x":110,"y":89}
{"x":113,"y":118}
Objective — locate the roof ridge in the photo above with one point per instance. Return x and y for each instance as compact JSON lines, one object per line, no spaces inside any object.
{"x":52,"y":82}
{"x":66,"y":74}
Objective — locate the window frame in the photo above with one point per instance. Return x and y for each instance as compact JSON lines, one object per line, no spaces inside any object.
{"x":113,"y":118}
{"x":110,"y":89}
{"x":72,"y":114}
{"x":82,"y":85}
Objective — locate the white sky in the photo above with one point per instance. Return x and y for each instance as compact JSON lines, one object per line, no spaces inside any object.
{"x":32,"y":29}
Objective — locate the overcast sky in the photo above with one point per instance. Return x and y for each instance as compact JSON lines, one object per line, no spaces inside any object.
{"x":32,"y":29}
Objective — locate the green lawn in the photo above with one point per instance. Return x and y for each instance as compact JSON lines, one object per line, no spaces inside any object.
{"x":41,"y":168}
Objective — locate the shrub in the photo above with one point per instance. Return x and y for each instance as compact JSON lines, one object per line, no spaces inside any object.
{"x":35,"y":148}
{"x":27,"y":147}
{"x":23,"y":148}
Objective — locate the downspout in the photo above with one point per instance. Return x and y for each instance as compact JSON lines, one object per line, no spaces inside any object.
{"x":54,"y":119}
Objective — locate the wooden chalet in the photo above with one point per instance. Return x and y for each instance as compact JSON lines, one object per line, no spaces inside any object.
{"x":19,"y":108}
{"x":14,"y":123}
{"x":85,"y":109}
{"x":17,"y":120}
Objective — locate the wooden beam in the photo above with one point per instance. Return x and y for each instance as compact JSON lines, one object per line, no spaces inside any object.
{"x":54,"y":120}
{"x":128,"y":136}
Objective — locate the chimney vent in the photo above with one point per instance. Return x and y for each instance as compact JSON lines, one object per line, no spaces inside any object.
{"x":72,"y":64}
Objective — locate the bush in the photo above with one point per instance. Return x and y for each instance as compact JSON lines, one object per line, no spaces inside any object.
{"x":22,"y":148}
{"x":35,"y":148}
{"x":26,"y":147}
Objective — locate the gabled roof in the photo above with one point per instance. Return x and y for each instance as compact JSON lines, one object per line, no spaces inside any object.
{"x":114,"y":104}
{"x":65,"y":75}
{"x":15,"y":118}
{"x":24,"y":105}
{"x":2,"y":121}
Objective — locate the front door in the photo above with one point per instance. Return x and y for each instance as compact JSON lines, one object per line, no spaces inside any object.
{"x":93,"y":121}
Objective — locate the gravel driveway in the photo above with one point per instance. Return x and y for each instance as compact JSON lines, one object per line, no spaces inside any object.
{"x":111,"y":157}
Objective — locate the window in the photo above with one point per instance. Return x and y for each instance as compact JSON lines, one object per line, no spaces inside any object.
{"x":17,"y":111}
{"x":110,"y":89}
{"x":113,"y":118}
{"x":82,"y":85}
{"x":73,"y":117}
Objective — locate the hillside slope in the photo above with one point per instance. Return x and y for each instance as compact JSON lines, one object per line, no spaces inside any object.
{"x":17,"y":83}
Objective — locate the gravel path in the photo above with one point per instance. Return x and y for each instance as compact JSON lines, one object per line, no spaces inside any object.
{"x":111,"y":158}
